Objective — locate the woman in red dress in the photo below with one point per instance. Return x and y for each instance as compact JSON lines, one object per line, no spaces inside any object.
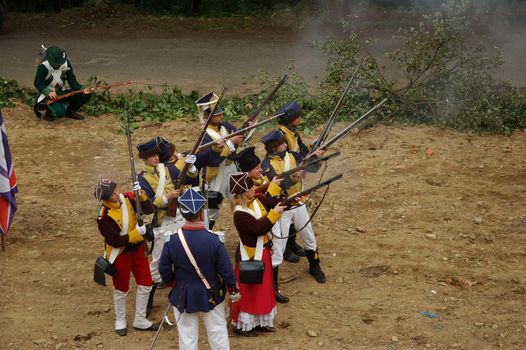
{"x":254,"y":218}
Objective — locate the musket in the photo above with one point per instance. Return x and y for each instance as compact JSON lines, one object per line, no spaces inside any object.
{"x":332,"y":118}
{"x":165,"y":318}
{"x":345,"y":131}
{"x":295,"y":196}
{"x":172,"y":204}
{"x":235,"y":133}
{"x":307,"y":164}
{"x":100,"y":87}
{"x":252,"y":117}
{"x":133,"y":173}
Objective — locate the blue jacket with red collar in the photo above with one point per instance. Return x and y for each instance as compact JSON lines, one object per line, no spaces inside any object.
{"x":189,"y":294}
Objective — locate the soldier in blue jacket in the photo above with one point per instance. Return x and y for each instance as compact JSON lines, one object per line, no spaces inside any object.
{"x":193,"y":295}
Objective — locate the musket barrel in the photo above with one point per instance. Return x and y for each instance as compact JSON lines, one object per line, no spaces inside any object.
{"x":313,"y":188}
{"x":345,"y":131}
{"x":309,"y":163}
{"x":332,"y":118}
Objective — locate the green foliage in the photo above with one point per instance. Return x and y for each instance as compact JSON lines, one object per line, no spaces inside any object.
{"x":447,"y":82}
{"x":10,"y":91}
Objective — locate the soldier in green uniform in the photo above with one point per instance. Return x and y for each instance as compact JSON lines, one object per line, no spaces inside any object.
{"x":50,"y":80}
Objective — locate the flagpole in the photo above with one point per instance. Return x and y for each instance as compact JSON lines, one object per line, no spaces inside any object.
{"x":3,"y":242}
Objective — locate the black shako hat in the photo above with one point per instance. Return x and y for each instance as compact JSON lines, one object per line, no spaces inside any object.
{"x":274,"y":138}
{"x":289,"y":112}
{"x":247,"y":159}
{"x":148,"y":148}
{"x":166,"y":149}
{"x":104,"y":189}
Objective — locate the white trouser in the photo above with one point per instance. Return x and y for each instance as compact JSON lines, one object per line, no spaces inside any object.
{"x":223,"y":187}
{"x":299,"y":217}
{"x":169,"y":226}
{"x":215,"y":324}
{"x":141,"y":300}
{"x":119,"y":302}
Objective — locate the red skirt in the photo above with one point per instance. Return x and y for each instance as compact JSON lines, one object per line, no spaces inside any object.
{"x":256,"y":299}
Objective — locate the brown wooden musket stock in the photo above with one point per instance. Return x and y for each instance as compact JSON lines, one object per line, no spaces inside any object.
{"x":258,"y":110}
{"x":101,"y":87}
{"x":295,"y":196}
{"x":138,"y":209}
{"x":346,"y":131}
{"x":173,"y":204}
{"x":327,"y":128}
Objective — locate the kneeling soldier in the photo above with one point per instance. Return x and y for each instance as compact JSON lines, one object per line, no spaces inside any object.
{"x":125,"y":249}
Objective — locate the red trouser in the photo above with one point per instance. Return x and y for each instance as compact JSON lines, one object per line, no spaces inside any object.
{"x":135,"y":262}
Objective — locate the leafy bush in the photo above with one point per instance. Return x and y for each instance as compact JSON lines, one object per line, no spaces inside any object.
{"x":447,"y":82}
{"x":10,"y":91}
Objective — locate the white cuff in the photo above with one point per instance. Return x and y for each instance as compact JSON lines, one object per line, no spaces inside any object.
{"x":231,"y":146}
{"x":165,"y":200}
{"x":193,"y":169}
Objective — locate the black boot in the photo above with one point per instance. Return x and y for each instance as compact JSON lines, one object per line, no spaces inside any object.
{"x":74,"y":115}
{"x":293,"y":245}
{"x":288,"y":254}
{"x":314,"y":266}
{"x":280,"y":298}
{"x":149,"y":306}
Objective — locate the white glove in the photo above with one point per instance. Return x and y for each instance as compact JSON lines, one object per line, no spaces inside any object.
{"x":141,"y":229}
{"x":190,"y":159}
{"x":192,"y":169}
{"x":136,"y":186}
{"x":235,"y":297}
{"x":231,"y":146}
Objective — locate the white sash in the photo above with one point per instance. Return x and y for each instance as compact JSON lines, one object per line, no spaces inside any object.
{"x":286,"y":160}
{"x":162,"y":180}
{"x":124,"y":229}
{"x":214,"y":135}
{"x":259,"y":245}
{"x":57,"y":77}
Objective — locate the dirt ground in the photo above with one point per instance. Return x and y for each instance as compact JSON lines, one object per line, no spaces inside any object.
{"x":425,"y":222}
{"x":423,"y":241}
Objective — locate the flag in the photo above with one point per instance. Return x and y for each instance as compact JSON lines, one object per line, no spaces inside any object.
{"x":8,"y":187}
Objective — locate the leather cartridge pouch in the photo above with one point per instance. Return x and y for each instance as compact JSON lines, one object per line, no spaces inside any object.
{"x":251,"y":271}
{"x":105,"y":265}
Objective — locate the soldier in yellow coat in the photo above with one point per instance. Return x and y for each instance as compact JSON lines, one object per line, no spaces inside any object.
{"x":125,"y":249}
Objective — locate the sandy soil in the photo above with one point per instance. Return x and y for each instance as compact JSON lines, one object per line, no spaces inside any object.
{"x":424,"y":220}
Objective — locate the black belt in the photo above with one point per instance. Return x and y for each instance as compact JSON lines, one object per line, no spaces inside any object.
{"x":132,"y":247}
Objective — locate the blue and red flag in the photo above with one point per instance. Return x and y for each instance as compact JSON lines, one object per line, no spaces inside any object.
{"x":8,"y":187}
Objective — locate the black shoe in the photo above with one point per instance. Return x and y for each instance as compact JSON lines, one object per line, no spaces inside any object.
{"x":289,"y":256}
{"x":121,"y":332}
{"x":245,"y":333}
{"x":318,"y":274}
{"x":154,"y":328}
{"x":266,"y":329}
{"x":280,"y":298}
{"x":74,"y":115}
